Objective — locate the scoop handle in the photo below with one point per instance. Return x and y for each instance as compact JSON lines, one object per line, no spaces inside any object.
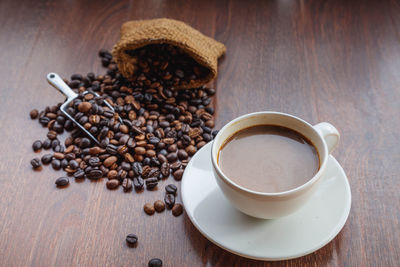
{"x":55,"y":80}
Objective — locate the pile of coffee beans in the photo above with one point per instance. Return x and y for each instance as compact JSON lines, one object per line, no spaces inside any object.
{"x":167,"y":64}
{"x":152,"y":132}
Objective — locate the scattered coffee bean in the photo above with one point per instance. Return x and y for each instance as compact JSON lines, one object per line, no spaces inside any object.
{"x":56,"y":164}
{"x":151,"y":182}
{"x":112,"y":184}
{"x":131,"y":239}
{"x":155,"y":263}
{"x":46,"y":144}
{"x":46,"y":159}
{"x":159,"y":206}
{"x":34,"y":114}
{"x":127,"y":184}
{"x":79,"y":174}
{"x":62,"y":181}
{"x":149,"y":209}
{"x":169,"y":200}
{"x":178,"y":174}
{"x":171,"y":189}
{"x":36,"y":163}
{"x":177,"y":209}
{"x":138,"y":183}
{"x":37,"y":145}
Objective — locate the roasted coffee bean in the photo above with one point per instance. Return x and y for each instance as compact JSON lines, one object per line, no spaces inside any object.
{"x":112,"y":184}
{"x":131,"y":239}
{"x":178,"y":174}
{"x":62,"y":181}
{"x":110,"y":161}
{"x":56,"y":164}
{"x":169,"y":200}
{"x":79,"y":174}
{"x":37,"y":145}
{"x":127,"y":184}
{"x":46,"y":144}
{"x":94,"y":174}
{"x":55,"y":143}
{"x":34,"y":114}
{"x":176,"y":165}
{"x":171,"y":189}
{"x":159,"y":206}
{"x":73,"y":164}
{"x":155,"y":263}
{"x":151,"y":182}
{"x":64,"y":163}
{"x":58,"y":155}
{"x":172,"y":157}
{"x":94,"y":161}
{"x":113,"y":174}
{"x":149,"y":208}
{"x":177,"y":209}
{"x":137,"y":168}
{"x":165,"y":169}
{"x":125,"y":166}
{"x":46,"y":159}
{"x":85,"y":142}
{"x":36,"y":163}
{"x":182,"y":154}
{"x":138,"y":183}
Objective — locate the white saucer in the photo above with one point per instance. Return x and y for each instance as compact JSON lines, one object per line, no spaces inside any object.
{"x":296,"y":235}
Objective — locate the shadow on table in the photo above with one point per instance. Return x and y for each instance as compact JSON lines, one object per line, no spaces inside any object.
{"x":212,"y":255}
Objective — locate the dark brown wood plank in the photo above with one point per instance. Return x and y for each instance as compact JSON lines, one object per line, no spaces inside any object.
{"x":335,"y":61}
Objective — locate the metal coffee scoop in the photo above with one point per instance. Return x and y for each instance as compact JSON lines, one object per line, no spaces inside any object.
{"x":55,"y":80}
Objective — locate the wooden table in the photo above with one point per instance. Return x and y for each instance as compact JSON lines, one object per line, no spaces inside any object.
{"x":336,"y":61}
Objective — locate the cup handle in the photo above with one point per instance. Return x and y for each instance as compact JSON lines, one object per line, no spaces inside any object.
{"x":329,"y":133}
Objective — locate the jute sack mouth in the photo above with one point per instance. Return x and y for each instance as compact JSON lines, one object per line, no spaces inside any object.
{"x":136,"y":34}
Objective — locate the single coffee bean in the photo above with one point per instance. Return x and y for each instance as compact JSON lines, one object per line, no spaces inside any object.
{"x":64,"y":163}
{"x":37,"y":145}
{"x":46,"y":159}
{"x":58,"y":155}
{"x":155,"y":263}
{"x":151,"y":182}
{"x":62,"y":181}
{"x":165,"y":169}
{"x":34,"y":114}
{"x":79,"y":174}
{"x":171,"y":189}
{"x":84,"y":107}
{"x":127,"y":184}
{"x":138,"y":183}
{"x":73,"y":164}
{"x":172,"y":157}
{"x":176,"y":165}
{"x":94,"y":174}
{"x":52,"y":135}
{"x":110,"y":161}
{"x":112,"y":184}
{"x":182,"y":154}
{"x":177,"y":209}
{"x":159,"y":206}
{"x":46,"y":144}
{"x":149,"y":208}
{"x":178,"y":174}
{"x":169,"y":200}
{"x":95,"y":161}
{"x":36,"y":163}
{"x":56,"y":164}
{"x":131,"y":239}
{"x":137,"y":168}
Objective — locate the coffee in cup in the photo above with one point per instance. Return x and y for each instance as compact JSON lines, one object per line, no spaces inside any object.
{"x":268,"y":158}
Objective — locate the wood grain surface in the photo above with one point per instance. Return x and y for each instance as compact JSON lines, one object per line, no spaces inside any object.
{"x":336,"y":61}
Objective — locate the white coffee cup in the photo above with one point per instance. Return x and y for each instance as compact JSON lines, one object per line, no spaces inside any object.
{"x":323,"y":136}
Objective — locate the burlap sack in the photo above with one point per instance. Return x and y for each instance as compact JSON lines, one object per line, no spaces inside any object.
{"x":136,"y":34}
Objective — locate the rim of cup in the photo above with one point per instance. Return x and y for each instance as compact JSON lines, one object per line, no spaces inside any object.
{"x":312,"y":180}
